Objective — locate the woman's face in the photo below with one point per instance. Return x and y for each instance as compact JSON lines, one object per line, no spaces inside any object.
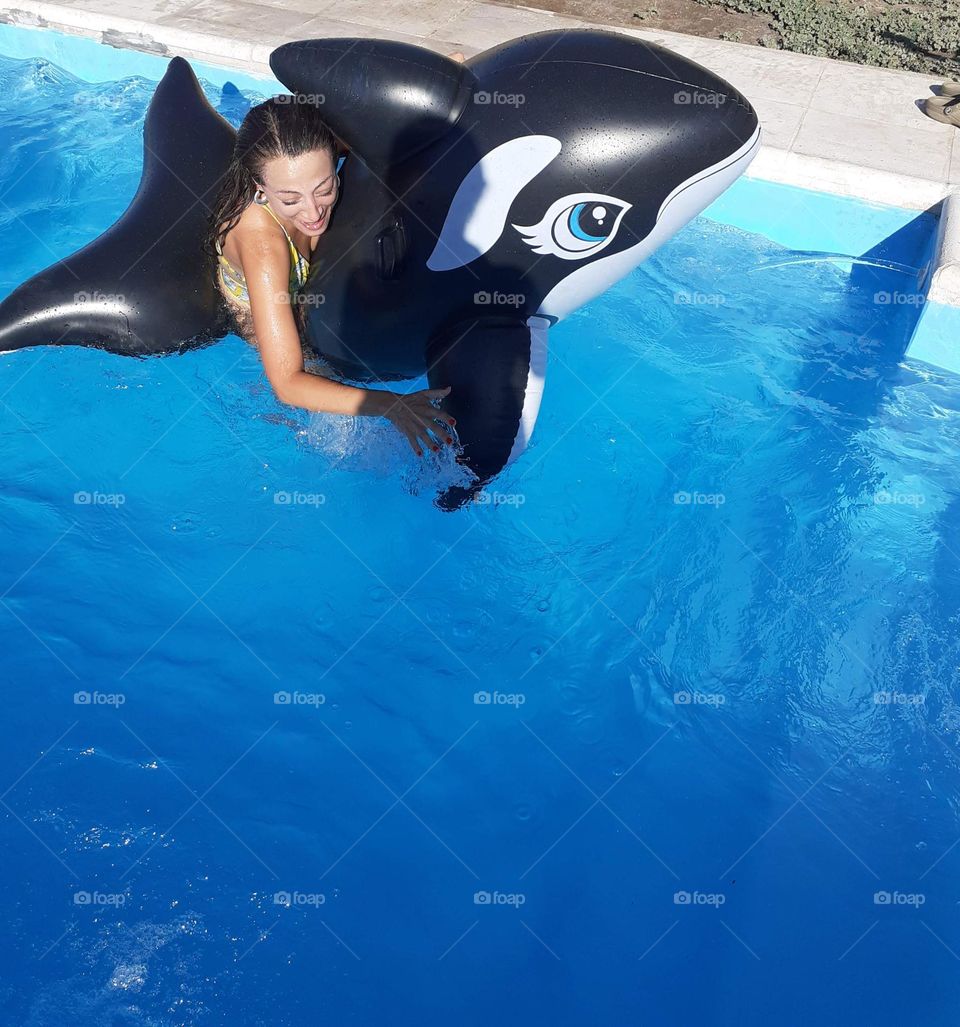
{"x":302,"y":189}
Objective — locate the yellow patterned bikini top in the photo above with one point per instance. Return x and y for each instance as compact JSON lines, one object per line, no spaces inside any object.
{"x":235,"y":283}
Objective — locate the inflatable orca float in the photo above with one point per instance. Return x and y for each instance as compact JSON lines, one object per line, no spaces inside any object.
{"x":482,"y":202}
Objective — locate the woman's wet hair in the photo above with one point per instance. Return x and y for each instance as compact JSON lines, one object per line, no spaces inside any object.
{"x":283,"y":126}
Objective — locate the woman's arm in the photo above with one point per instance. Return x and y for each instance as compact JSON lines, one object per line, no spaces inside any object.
{"x":266,"y":265}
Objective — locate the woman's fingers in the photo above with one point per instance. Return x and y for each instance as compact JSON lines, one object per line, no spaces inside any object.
{"x":443,"y":417}
{"x":410,"y":433}
{"x":439,"y":430}
{"x":437,"y":421}
{"x":424,"y":426}
{"x":413,"y":440}
{"x":431,"y":435}
{"x":418,"y":435}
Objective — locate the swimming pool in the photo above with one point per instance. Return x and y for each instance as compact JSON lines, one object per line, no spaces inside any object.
{"x":664,"y":732}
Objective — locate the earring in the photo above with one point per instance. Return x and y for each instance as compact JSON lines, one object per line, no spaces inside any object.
{"x":257,"y":198}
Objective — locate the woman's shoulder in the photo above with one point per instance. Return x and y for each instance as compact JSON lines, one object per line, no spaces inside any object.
{"x":254,"y":220}
{"x":257,"y":230}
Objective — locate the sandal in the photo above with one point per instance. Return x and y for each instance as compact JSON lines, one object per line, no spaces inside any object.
{"x":943,"y":108}
{"x":949,"y":88}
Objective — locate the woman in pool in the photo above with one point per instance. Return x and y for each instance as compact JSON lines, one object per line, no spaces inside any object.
{"x":274,"y":205}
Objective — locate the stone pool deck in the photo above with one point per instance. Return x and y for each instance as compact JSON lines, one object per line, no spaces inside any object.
{"x":828,"y":125}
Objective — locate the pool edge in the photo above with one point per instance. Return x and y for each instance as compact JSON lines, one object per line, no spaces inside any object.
{"x":936,"y":337}
{"x":939,"y":322}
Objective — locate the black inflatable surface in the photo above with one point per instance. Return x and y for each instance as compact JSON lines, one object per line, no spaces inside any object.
{"x":144,"y":286}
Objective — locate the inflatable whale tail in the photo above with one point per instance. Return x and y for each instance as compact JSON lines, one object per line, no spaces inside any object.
{"x":145,"y":286}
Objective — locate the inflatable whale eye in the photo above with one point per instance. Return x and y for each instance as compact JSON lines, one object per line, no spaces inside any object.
{"x":482,"y":203}
{"x":576,"y":226}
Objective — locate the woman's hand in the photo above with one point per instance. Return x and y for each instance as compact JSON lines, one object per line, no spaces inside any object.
{"x":415,"y":415}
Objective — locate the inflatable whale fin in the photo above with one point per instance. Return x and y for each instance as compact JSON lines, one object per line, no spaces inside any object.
{"x":145,"y":286}
{"x":386,"y":100}
{"x":495,"y":368}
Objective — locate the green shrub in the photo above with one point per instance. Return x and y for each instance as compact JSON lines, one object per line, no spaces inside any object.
{"x":924,"y":36}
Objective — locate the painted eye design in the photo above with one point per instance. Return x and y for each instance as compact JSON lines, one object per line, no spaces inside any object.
{"x":576,"y":226}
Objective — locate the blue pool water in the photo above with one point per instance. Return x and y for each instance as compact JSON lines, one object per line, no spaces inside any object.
{"x":714,"y":612}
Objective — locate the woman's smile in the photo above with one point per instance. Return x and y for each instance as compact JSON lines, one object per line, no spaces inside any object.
{"x":314,"y":227}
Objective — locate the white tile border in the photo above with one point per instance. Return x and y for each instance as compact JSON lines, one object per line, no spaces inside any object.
{"x":832,"y":176}
{"x":132,"y":33}
{"x":753,"y":69}
{"x":944,"y":285}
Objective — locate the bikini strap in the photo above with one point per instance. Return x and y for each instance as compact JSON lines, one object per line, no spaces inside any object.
{"x":298,"y":257}
{"x":272,"y":214}
{"x":279,"y":222}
